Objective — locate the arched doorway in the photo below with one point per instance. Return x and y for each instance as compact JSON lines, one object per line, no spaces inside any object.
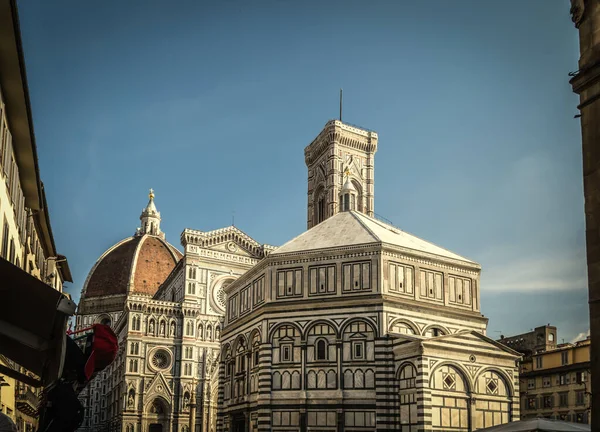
{"x":157,"y":416}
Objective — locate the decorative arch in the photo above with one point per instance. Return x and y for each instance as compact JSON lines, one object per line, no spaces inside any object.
{"x":506,"y":381}
{"x":468,"y":387}
{"x":239,"y":340}
{"x":255,"y":341}
{"x":407,"y":393}
{"x":158,"y":403}
{"x":320,"y":339}
{"x":493,"y":398}
{"x":226,"y":351}
{"x":406,"y":364}
{"x":281,"y":324}
{"x":309,"y":328}
{"x":319,"y":202}
{"x":435,"y":326}
{"x":360,"y":194}
{"x":350,"y":321}
{"x":450,"y":397}
{"x":403,"y":326}
{"x":104,"y":319}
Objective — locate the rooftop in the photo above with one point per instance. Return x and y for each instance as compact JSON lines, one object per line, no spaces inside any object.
{"x":353,"y":228}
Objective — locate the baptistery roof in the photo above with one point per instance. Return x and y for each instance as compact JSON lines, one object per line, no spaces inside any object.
{"x":352,"y":228}
{"x":137,"y":264}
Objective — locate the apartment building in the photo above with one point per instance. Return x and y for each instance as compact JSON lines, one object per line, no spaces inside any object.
{"x":556,"y":383}
{"x":26,"y":239}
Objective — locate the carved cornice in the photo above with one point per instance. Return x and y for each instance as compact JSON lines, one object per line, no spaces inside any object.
{"x":223,"y":256}
{"x":349,"y":136}
{"x":326,"y":254}
{"x":473,"y":269}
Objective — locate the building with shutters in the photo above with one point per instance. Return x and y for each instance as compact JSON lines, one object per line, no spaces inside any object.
{"x":555,"y":382}
{"x":26,"y":239}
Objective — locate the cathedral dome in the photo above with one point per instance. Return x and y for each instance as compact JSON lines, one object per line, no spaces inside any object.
{"x":138,"y":264}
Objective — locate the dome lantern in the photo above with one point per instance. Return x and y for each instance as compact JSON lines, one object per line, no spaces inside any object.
{"x":150,"y":218}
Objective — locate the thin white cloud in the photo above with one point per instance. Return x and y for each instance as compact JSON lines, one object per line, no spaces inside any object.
{"x":534,"y":273}
{"x":580,"y":336}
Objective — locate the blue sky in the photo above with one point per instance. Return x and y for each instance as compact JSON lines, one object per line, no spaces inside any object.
{"x":212,"y":103}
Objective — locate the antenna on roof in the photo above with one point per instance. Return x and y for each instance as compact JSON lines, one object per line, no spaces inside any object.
{"x":341,"y":99}
{"x":232,"y":217}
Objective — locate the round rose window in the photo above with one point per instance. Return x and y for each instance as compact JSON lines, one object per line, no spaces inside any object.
{"x":161,"y":359}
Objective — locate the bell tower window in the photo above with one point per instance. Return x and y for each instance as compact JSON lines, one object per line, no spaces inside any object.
{"x":321,"y":210}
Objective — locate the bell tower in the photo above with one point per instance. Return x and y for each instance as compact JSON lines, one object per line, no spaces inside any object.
{"x":340,"y":157}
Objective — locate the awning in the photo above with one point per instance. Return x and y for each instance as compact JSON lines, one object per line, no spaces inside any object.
{"x":539,"y":424}
{"x":33,"y":324}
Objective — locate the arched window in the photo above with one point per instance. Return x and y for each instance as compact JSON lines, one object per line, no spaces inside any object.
{"x":105,"y":321}
{"x":321,"y":349}
{"x":320,"y":343}
{"x":319,"y":205}
{"x":241,"y":357}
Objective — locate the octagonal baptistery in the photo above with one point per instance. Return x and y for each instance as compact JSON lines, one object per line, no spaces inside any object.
{"x":135,"y":265}
{"x":356,"y":325}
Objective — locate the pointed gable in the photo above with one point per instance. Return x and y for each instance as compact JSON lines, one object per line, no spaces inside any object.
{"x":229,"y":240}
{"x":466,"y":338}
{"x":158,"y":386}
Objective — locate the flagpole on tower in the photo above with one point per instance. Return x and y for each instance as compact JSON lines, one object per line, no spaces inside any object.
{"x":341,"y":99}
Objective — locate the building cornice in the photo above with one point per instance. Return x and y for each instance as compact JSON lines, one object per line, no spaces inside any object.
{"x":343,"y":134}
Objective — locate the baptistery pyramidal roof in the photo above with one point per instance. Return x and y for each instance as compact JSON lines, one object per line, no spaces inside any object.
{"x":353,"y":228}
{"x":137,"y":264}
